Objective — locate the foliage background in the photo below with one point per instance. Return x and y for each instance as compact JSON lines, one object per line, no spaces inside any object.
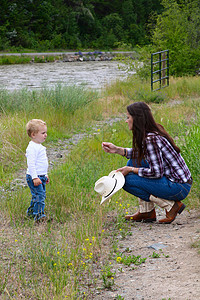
{"x":74,"y":24}
{"x":145,"y":26}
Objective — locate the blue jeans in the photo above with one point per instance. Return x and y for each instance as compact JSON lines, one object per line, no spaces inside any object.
{"x":36,"y":208}
{"x":142,"y":187}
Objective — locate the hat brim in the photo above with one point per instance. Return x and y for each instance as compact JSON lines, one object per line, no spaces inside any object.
{"x":120,"y":183}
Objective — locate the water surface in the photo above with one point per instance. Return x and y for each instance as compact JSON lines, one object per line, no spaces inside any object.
{"x":93,"y":74}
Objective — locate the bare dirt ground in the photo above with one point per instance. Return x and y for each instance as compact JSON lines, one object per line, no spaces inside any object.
{"x":174,"y":275}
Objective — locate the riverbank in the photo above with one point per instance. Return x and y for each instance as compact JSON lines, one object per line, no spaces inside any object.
{"x":43,"y":57}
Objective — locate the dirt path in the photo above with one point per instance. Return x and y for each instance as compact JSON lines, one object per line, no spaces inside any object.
{"x":174,"y":275}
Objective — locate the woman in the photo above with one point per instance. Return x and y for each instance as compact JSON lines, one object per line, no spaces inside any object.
{"x":156,"y":172}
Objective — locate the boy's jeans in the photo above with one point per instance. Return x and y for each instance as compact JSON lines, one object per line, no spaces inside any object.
{"x":142,"y":187}
{"x":36,"y":208}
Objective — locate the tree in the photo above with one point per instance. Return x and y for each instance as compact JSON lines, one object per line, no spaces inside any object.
{"x":177,"y":29}
{"x":48,"y":24}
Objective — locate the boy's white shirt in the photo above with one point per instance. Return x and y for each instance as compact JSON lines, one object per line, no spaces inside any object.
{"x":37,"y":160}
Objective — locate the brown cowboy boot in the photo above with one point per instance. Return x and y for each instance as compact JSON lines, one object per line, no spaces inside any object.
{"x":172,"y":208}
{"x":146,"y":213}
{"x":177,"y":208}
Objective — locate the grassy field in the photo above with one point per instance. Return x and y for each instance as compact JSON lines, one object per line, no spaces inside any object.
{"x":70,"y":255}
{"x":26,"y":59}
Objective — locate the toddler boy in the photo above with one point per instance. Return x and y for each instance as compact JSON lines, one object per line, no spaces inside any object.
{"x":37,"y":166}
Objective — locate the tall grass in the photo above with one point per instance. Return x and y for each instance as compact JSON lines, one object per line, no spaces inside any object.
{"x":63,"y":257}
{"x":190,"y":141}
{"x":9,"y":60}
{"x":65,"y":110}
{"x":140,"y":90}
{"x":25,"y":59}
{"x":67,"y":99}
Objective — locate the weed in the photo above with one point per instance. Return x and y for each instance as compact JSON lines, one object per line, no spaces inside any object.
{"x":130,"y":259}
{"x":196,"y":245}
{"x":108,"y":277}
{"x":167,"y":256}
{"x":120,"y":270}
{"x":150,"y":97}
{"x":155,"y":255}
{"x":118,"y":297}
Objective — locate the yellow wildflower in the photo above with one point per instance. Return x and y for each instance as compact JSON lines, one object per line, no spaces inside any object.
{"x":119,"y":259}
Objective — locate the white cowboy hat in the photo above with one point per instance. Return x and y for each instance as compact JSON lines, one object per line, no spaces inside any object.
{"x":107,"y":186}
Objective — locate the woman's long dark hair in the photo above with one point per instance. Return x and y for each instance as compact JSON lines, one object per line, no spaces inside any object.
{"x":144,"y":123}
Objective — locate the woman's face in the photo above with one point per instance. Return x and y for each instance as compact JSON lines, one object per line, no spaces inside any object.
{"x":129,"y":120}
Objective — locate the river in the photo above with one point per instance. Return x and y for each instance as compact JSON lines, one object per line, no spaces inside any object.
{"x":93,"y":74}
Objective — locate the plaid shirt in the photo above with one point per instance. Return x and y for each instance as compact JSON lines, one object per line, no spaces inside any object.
{"x":163,"y":160}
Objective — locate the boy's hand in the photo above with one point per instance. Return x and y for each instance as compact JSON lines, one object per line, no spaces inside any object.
{"x":37,"y":181}
{"x":47,"y":179}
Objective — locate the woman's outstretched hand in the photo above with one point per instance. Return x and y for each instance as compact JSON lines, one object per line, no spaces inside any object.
{"x":109,"y":147}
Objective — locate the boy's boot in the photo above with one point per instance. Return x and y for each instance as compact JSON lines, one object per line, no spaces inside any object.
{"x":146,"y":212}
{"x":172,"y":208}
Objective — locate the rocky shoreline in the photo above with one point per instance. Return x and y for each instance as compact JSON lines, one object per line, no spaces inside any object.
{"x":73,"y":56}
{"x":83,"y":56}
{"x":94,"y":56}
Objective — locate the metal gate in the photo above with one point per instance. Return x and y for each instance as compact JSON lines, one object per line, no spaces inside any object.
{"x":159,"y":70}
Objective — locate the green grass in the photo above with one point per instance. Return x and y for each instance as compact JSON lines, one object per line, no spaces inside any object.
{"x":60,"y":99}
{"x":136,"y":89}
{"x":61,"y":258}
{"x":129,"y":259}
{"x":65,"y":110}
{"x":25,"y":59}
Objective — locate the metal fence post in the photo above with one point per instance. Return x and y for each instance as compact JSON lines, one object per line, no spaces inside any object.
{"x":161,"y":71}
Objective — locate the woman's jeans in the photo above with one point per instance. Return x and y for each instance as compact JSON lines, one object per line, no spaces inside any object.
{"x":142,"y":187}
{"x":36,"y":208}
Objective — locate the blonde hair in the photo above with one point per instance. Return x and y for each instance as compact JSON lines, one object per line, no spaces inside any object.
{"x":33,"y":126}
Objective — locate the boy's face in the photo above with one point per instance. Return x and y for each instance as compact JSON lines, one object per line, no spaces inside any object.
{"x":40,"y":136}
